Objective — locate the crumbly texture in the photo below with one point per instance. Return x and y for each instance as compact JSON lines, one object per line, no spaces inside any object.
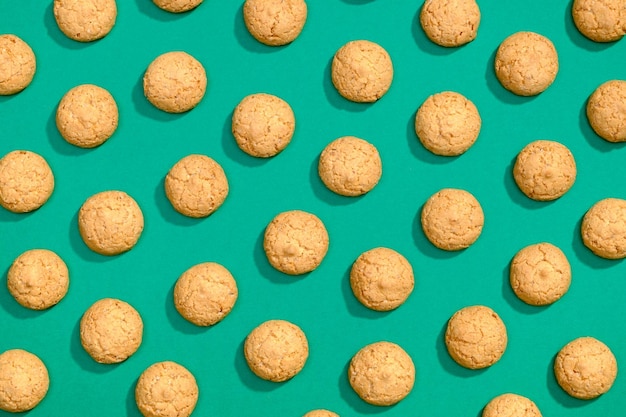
{"x":585,"y":368}
{"x":26,"y":181}
{"x":205,"y":293}
{"x":350,"y":166}
{"x":177,"y":6}
{"x":382,"y":279}
{"x":544,"y":170}
{"x":276,"y":350}
{"x":526,"y":63}
{"x":17,"y":64}
{"x":87,"y":116}
{"x":362,"y":71}
{"x":175,"y":82}
{"x":511,"y":405}
{"x":476,"y":337}
{"x":263,"y":125}
{"x":382,"y":373}
{"x":24,"y":381}
{"x":450,"y":23}
{"x":540,"y":274}
{"x":321,"y":413}
{"x":606,"y":111}
{"x":452,"y":219}
{"x":447,"y":123}
{"x":603,"y":228}
{"x":110,"y":222}
{"x":295,"y":242}
{"x":196,"y":186}
{"x":166,"y":389}
{"x":38,"y":279}
{"x":85,"y":20}
{"x":600,"y":20}
{"x":275,"y":22}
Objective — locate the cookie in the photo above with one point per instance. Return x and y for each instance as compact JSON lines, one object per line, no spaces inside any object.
{"x":606,"y":112}
{"x":447,"y":123}
{"x":600,"y":20}
{"x":24,"y":381}
{"x":295,"y":242}
{"x":275,"y":22}
{"x":526,"y":63}
{"x":320,"y":413}
{"x":544,"y":170}
{"x":276,"y":350}
{"x":603,"y":228}
{"x":175,"y":82}
{"x":450,"y":23}
{"x":452,"y":219}
{"x":87,"y":116}
{"x":166,"y":389}
{"x":362,"y":71}
{"x":540,"y":274}
{"x":585,"y":368}
{"x":196,"y":186}
{"x":110,"y":222}
{"x":17,"y":64}
{"x":177,"y":6}
{"x":350,"y":166}
{"x":205,"y":293}
{"x":26,"y":181}
{"x":85,"y":20}
{"x":38,"y":279}
{"x":512,"y":405}
{"x":476,"y":337}
{"x":111,"y":330}
{"x":381,"y":373}
{"x":381,"y":279}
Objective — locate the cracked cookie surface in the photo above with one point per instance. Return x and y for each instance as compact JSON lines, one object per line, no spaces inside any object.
{"x":85,"y":20}
{"x":17,"y":64}
{"x":275,"y":22}
{"x":177,"y":6}
{"x":26,"y":181}
{"x":511,"y":405}
{"x":450,"y":23}
{"x":24,"y":381}
{"x":606,"y":111}
{"x":600,"y":20}
{"x":166,"y":389}
{"x":603,"y":228}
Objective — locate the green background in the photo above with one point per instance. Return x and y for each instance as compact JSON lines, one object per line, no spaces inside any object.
{"x":148,"y":142}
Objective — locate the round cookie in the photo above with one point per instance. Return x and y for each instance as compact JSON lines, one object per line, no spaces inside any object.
{"x":110,"y":222}
{"x":276,"y":350}
{"x":263,"y":125}
{"x":320,"y":413}
{"x":85,"y":20}
{"x":381,"y":279}
{"x":600,"y":20}
{"x":350,"y":166}
{"x":606,"y":111}
{"x":603,"y":228}
{"x":17,"y":64}
{"x":166,"y":389}
{"x":540,"y":274}
{"x":274,"y":22}
{"x":24,"y":381}
{"x":295,"y":242}
{"x":450,"y":23}
{"x":205,"y":293}
{"x":362,"y":71}
{"x":175,"y":82}
{"x":544,"y":170}
{"x":177,"y":6}
{"x":38,"y":279}
{"x":452,"y":219}
{"x":585,"y":368}
{"x":447,"y":123}
{"x":526,"y":63}
{"x":382,"y":373}
{"x":511,"y":405}
{"x":26,"y":181}
{"x":476,"y":337}
{"x":196,"y":186}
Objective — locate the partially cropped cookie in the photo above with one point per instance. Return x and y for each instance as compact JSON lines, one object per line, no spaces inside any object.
{"x":275,"y":22}
{"x":321,"y":413}
{"x":17,"y":64}
{"x":511,"y":405}
{"x":24,"y":381}
{"x":606,"y":111}
{"x":85,"y":20}
{"x":600,"y":20}
{"x":166,"y":389}
{"x":26,"y":181}
{"x":177,"y":6}
{"x":450,"y":23}
{"x":603,"y":228}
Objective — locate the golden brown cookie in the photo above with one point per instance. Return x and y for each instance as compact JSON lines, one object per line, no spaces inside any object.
{"x":177,"y":6}
{"x":24,"y":381}
{"x":175,"y":82}
{"x":320,"y":413}
{"x":450,"y":23}
{"x":585,"y":368}
{"x":110,"y":222}
{"x":447,"y":123}
{"x":275,"y":22}
{"x":85,"y":20}
{"x":295,"y":242}
{"x":526,"y":63}
{"x":600,"y":20}
{"x":26,"y":181}
{"x":276,"y":350}
{"x":511,"y":405}
{"x":350,"y":166}
{"x":603,"y":228}
{"x":362,"y":71}
{"x":606,"y":111}
{"x":476,"y":337}
{"x":382,"y":373}
{"x":17,"y":64}
{"x":166,"y":389}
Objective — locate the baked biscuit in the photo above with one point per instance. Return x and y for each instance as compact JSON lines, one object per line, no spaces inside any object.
{"x":512,"y":405}
{"x":26,"y":181}
{"x":177,"y":6}
{"x":606,"y":112}
{"x":166,"y":389}
{"x":85,"y":20}
{"x":320,"y":413}
{"x":24,"y":381}
{"x":603,"y":228}
{"x":600,"y":20}
{"x":275,"y":22}
{"x":17,"y":64}
{"x":450,"y":23}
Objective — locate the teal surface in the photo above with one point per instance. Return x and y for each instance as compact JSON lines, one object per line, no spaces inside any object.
{"x":148,"y":142}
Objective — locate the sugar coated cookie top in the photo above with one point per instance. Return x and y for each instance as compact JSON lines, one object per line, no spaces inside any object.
{"x":606,"y":111}
{"x":177,"y":6}
{"x":450,"y":23}
{"x":603,"y":228}
{"x":600,"y":20}
{"x":275,"y":22}
{"x":85,"y":20}
{"x":24,"y":381}
{"x":512,"y":405}
{"x":166,"y":389}
{"x":17,"y":64}
{"x":26,"y":181}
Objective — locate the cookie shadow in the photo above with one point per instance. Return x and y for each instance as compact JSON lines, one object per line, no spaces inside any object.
{"x":578,"y":38}
{"x":146,"y":109}
{"x":446,"y":361}
{"x":7,"y":216}
{"x":323,"y":193}
{"x":168,"y":212}
{"x":59,"y":144}
{"x":516,"y":195}
{"x":249,"y":378}
{"x":266,"y":270}
{"x":419,"y":151}
{"x":247,"y":41}
{"x":422,"y":41}
{"x":231,"y":149}
{"x":584,"y":254}
{"x":357,"y":1}
{"x":55,"y":33}
{"x":501,"y":93}
{"x":176,"y":320}
{"x":80,"y":247}
{"x":336,"y":99}
{"x":509,"y":296}
{"x":131,"y":404}
{"x":558,"y":393}
{"x":592,"y":137}
{"x":151,"y":10}
{"x":352,"y":398}
{"x":82,"y":358}
{"x":424,"y":245}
